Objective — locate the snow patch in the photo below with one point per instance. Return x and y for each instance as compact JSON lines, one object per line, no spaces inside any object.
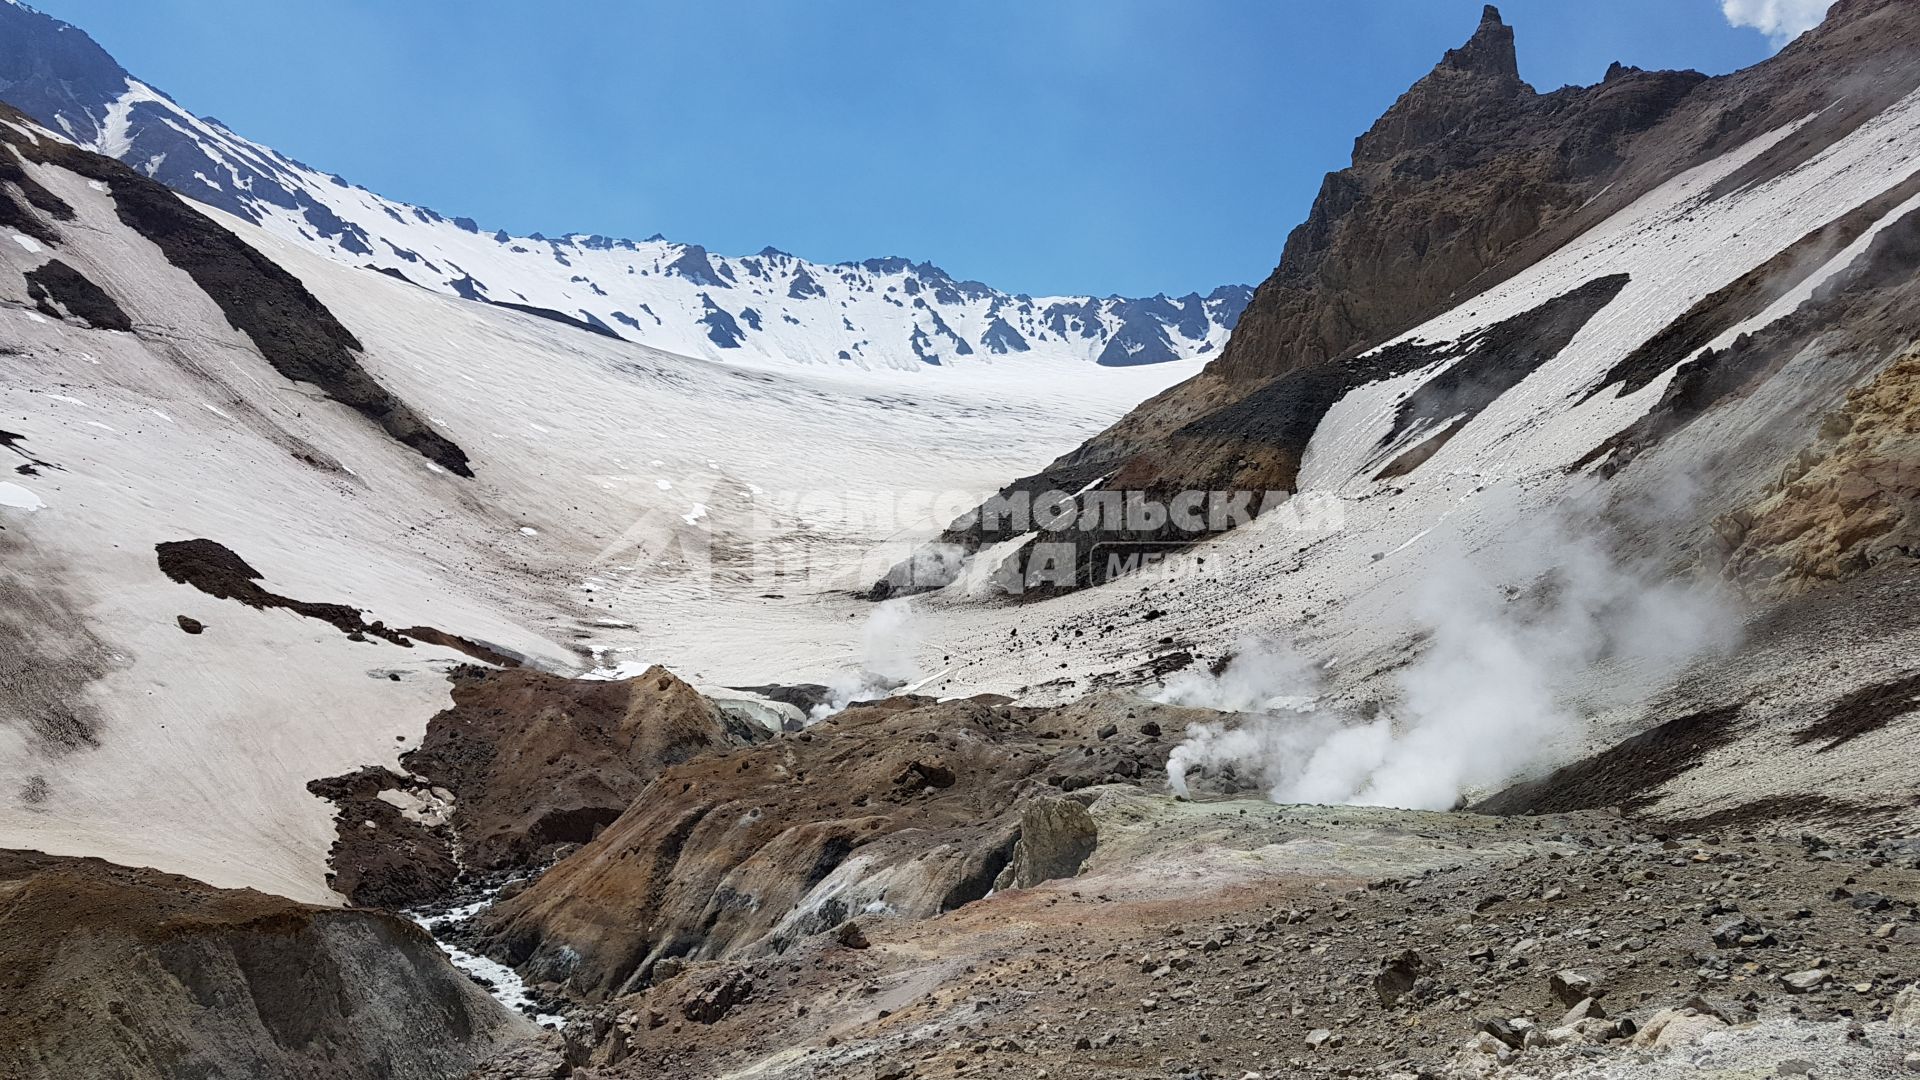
{"x":16,"y":497}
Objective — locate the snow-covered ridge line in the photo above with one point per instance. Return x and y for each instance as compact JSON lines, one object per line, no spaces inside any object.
{"x":768,"y":307}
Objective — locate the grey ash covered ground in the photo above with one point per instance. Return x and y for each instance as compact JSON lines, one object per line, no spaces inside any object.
{"x":1579,"y":945}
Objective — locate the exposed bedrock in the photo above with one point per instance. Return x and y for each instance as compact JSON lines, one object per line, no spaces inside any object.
{"x":522,"y":766}
{"x":536,"y":762}
{"x":129,"y":974}
{"x":299,"y":337}
{"x":61,"y":292}
{"x":906,"y":806}
{"x":1243,"y":939}
{"x":1849,"y":501}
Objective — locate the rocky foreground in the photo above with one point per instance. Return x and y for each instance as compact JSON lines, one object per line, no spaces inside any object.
{"x":916,"y":889}
{"x":1229,"y":938}
{"x":110,"y":972}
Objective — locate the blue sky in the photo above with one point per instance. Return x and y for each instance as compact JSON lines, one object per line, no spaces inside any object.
{"x":1045,"y":146}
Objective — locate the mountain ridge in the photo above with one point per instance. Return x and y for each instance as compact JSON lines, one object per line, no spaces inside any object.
{"x":767,"y":307}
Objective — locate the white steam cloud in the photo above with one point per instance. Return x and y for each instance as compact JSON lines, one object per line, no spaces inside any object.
{"x":1780,"y":20}
{"x":889,"y":659}
{"x":1264,"y":676}
{"x":1500,"y":687}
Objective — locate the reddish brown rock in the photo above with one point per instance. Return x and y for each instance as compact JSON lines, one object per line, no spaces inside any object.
{"x":538,"y":761}
{"x":903,"y":807}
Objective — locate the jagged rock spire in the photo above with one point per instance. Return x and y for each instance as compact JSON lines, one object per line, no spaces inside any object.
{"x":1489,"y":52}
{"x":1479,"y":77}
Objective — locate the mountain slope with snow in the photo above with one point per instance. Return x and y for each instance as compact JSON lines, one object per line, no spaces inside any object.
{"x":766,"y":307}
{"x":171,"y":713}
{"x":602,"y":469}
{"x":1652,"y":478}
{"x":1597,"y":547}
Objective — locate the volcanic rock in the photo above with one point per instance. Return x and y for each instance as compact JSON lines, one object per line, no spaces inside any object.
{"x":111,"y":971}
{"x":910,"y":803}
{"x":537,"y":761}
{"x":1056,"y":837}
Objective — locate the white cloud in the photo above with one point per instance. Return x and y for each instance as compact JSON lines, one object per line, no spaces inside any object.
{"x":1780,"y":20}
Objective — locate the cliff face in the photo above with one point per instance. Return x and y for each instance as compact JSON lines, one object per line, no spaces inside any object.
{"x":524,"y":764}
{"x":1849,"y":502}
{"x":1462,"y":169}
{"x":109,"y":971}
{"x":1471,"y":178}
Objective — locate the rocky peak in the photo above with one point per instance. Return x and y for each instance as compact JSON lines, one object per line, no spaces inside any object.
{"x":50,"y":69}
{"x":1475,"y":82}
{"x":1489,"y":52}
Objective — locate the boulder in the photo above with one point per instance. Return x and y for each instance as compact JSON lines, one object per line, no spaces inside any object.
{"x":1706,"y":1006}
{"x":1397,"y":975}
{"x":1587,"y":1009}
{"x":1669,"y":1028}
{"x":1805,"y":982}
{"x":1571,"y":987}
{"x":1057,"y":836}
{"x":716,"y":995}
{"x":851,"y":935}
{"x":1906,"y":1009}
{"x":1513,"y":1033}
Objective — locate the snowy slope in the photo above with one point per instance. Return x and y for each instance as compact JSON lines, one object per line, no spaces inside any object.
{"x":596,"y":460}
{"x":125,"y":737}
{"x":769,"y":306}
{"x":633,"y":506}
{"x":1394,"y":590}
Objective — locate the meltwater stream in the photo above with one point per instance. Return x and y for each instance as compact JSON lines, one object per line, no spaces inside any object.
{"x":502,"y":981}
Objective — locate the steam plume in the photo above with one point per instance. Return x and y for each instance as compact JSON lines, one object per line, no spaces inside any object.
{"x":1500,"y":688}
{"x":889,"y":659}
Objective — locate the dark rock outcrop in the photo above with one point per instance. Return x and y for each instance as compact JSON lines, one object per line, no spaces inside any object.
{"x":50,"y":69}
{"x":537,"y":762}
{"x":61,"y":292}
{"x":218,"y":571}
{"x":108,"y":971}
{"x":384,"y":856}
{"x":293,"y":330}
{"x":561,"y":317}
